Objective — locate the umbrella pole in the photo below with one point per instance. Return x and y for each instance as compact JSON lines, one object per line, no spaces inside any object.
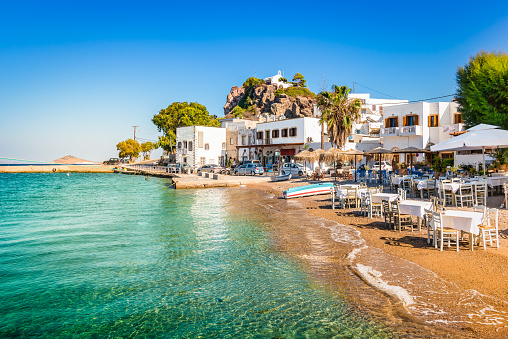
{"x":483,"y":152}
{"x":355,"y":167}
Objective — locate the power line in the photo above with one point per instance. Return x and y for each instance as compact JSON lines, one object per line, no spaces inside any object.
{"x":357,"y":83}
{"x":444,"y":96}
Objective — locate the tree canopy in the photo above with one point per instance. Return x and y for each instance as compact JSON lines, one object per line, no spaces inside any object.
{"x":147,"y":148}
{"x":128,"y":148}
{"x":180,"y":114}
{"x":298,"y":80}
{"x":482,"y":89}
{"x":339,"y":113}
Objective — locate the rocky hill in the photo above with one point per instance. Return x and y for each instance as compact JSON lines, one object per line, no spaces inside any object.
{"x":292,"y":102}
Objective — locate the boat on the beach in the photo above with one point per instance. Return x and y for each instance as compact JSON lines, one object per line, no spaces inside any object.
{"x":313,"y":189}
{"x":281,"y":177}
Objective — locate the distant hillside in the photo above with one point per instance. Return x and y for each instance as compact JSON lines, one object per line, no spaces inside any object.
{"x":248,"y":101}
{"x":72,"y":160}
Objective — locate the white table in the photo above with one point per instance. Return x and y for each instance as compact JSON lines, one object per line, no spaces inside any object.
{"x":496,"y":181}
{"x":378,"y":197}
{"x":464,"y":221}
{"x":416,"y":208}
{"x":500,"y":174}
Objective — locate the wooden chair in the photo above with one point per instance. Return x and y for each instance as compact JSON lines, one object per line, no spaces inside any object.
{"x":364,"y":204}
{"x":480,"y":193}
{"x":446,"y":195}
{"x":388,"y":214}
{"x":490,"y":227}
{"x":430,"y":188}
{"x":464,"y":195}
{"x":401,"y":220}
{"x":430,"y":226}
{"x":363,"y":184}
{"x":442,"y":233}
{"x":351,"y":197}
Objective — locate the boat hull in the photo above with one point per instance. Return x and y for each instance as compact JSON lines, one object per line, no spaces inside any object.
{"x":303,"y":191}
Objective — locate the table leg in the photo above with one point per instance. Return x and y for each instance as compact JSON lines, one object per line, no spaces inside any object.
{"x":419,"y":223}
{"x":471,"y":241}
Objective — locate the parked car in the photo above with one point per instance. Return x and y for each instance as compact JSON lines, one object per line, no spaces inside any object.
{"x":112,"y":161}
{"x":294,"y":169}
{"x":251,"y":169}
{"x":212,"y":168}
{"x":183,"y":166}
{"x":385,"y":166}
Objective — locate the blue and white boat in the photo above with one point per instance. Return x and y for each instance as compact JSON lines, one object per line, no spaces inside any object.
{"x":313,"y":189}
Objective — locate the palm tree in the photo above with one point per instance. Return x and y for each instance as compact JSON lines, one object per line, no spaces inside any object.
{"x":339,"y":113}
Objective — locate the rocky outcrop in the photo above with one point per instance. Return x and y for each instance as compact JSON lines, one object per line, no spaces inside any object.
{"x":265,"y":101}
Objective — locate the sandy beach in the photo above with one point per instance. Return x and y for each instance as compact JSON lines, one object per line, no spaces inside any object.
{"x":460,"y":294}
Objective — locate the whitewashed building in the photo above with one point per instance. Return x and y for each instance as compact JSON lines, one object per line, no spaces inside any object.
{"x":240,"y":138}
{"x":419,"y":125}
{"x":201,"y":145}
{"x":285,"y":138}
{"x":274,"y":80}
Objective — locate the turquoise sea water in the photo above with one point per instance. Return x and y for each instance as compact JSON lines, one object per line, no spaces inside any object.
{"x":108,"y":255}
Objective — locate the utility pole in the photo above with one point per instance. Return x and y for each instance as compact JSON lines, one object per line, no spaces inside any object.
{"x":354,"y":87}
{"x":134,"y":130}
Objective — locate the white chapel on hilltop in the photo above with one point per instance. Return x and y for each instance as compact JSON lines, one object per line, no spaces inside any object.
{"x":274,"y":80}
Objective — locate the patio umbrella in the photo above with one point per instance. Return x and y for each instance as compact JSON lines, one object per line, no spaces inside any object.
{"x":482,"y":137}
{"x":332,"y":154}
{"x":315,"y":155}
{"x":352,"y":153}
{"x":411,"y":150}
{"x":380,"y":151}
{"x":304,"y":155}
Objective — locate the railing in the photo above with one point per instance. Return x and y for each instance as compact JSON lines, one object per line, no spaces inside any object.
{"x":411,"y":130}
{"x":154,"y":169}
{"x":389,"y":131}
{"x":266,"y":141}
{"x":182,"y":151}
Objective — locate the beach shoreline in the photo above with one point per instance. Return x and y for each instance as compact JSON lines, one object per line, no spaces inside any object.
{"x":479,"y":276}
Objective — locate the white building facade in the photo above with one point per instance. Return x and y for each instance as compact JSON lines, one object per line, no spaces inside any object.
{"x":201,"y":145}
{"x":419,"y":125}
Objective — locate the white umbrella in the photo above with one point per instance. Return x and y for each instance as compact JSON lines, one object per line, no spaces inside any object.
{"x":479,"y":137}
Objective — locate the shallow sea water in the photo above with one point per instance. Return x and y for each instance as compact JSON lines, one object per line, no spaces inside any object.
{"x":108,"y":255}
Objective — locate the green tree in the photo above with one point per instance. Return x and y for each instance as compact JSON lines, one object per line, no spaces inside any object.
{"x":147,"y":148}
{"x":238,"y":112}
{"x":128,"y":148}
{"x":180,"y":114}
{"x":482,"y":89}
{"x":298,"y":80}
{"x":338,"y":113}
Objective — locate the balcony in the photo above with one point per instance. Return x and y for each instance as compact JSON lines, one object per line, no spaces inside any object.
{"x":389,"y":132}
{"x":182,"y":151}
{"x":267,"y":141}
{"x":411,"y":130}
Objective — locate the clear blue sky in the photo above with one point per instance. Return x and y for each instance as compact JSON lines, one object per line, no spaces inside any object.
{"x":76,"y":75}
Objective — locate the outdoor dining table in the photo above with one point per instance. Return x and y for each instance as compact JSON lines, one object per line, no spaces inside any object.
{"x":416,"y":208}
{"x":463,"y":220}
{"x":341,"y":193}
{"x":378,"y":197}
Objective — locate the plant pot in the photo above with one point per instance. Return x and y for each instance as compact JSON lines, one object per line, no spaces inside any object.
{"x":503,"y":167}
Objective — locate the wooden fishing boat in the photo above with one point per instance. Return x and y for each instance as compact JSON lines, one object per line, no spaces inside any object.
{"x":313,"y":189}
{"x":281,"y":177}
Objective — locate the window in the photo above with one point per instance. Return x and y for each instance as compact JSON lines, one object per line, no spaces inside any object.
{"x":433,"y":120}
{"x":457,"y":118}
{"x":243,"y":140}
{"x":373,"y":107}
{"x":292,"y":132}
{"x":392,"y":122}
{"x":411,"y":120}
{"x":179,"y":144}
{"x":185,"y":160}
{"x":284,"y":133}
{"x":381,"y":110}
{"x":185,"y":144}
{"x":231,"y":141}
{"x":200,"y":139}
{"x":267,"y":135}
{"x":207,"y":147}
{"x":364,"y":110}
{"x":260,"y":135}
{"x":190,"y":145}
{"x":447,"y":155}
{"x":223,"y":145}
{"x":250,"y":139}
{"x":275,"y":133}
{"x":202,"y":161}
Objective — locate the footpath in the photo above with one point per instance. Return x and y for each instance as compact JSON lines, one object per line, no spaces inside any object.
{"x":207,"y":180}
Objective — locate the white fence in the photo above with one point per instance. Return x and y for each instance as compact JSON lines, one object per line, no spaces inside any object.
{"x":154,"y":169}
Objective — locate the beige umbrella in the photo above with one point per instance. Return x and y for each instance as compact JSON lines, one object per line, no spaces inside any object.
{"x":304,"y":155}
{"x":411,"y":150}
{"x":315,"y":155}
{"x":380,"y":151}
{"x":332,"y":154}
{"x":353,"y":154}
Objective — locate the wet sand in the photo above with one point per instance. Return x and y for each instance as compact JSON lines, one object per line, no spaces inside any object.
{"x":396,"y":276}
